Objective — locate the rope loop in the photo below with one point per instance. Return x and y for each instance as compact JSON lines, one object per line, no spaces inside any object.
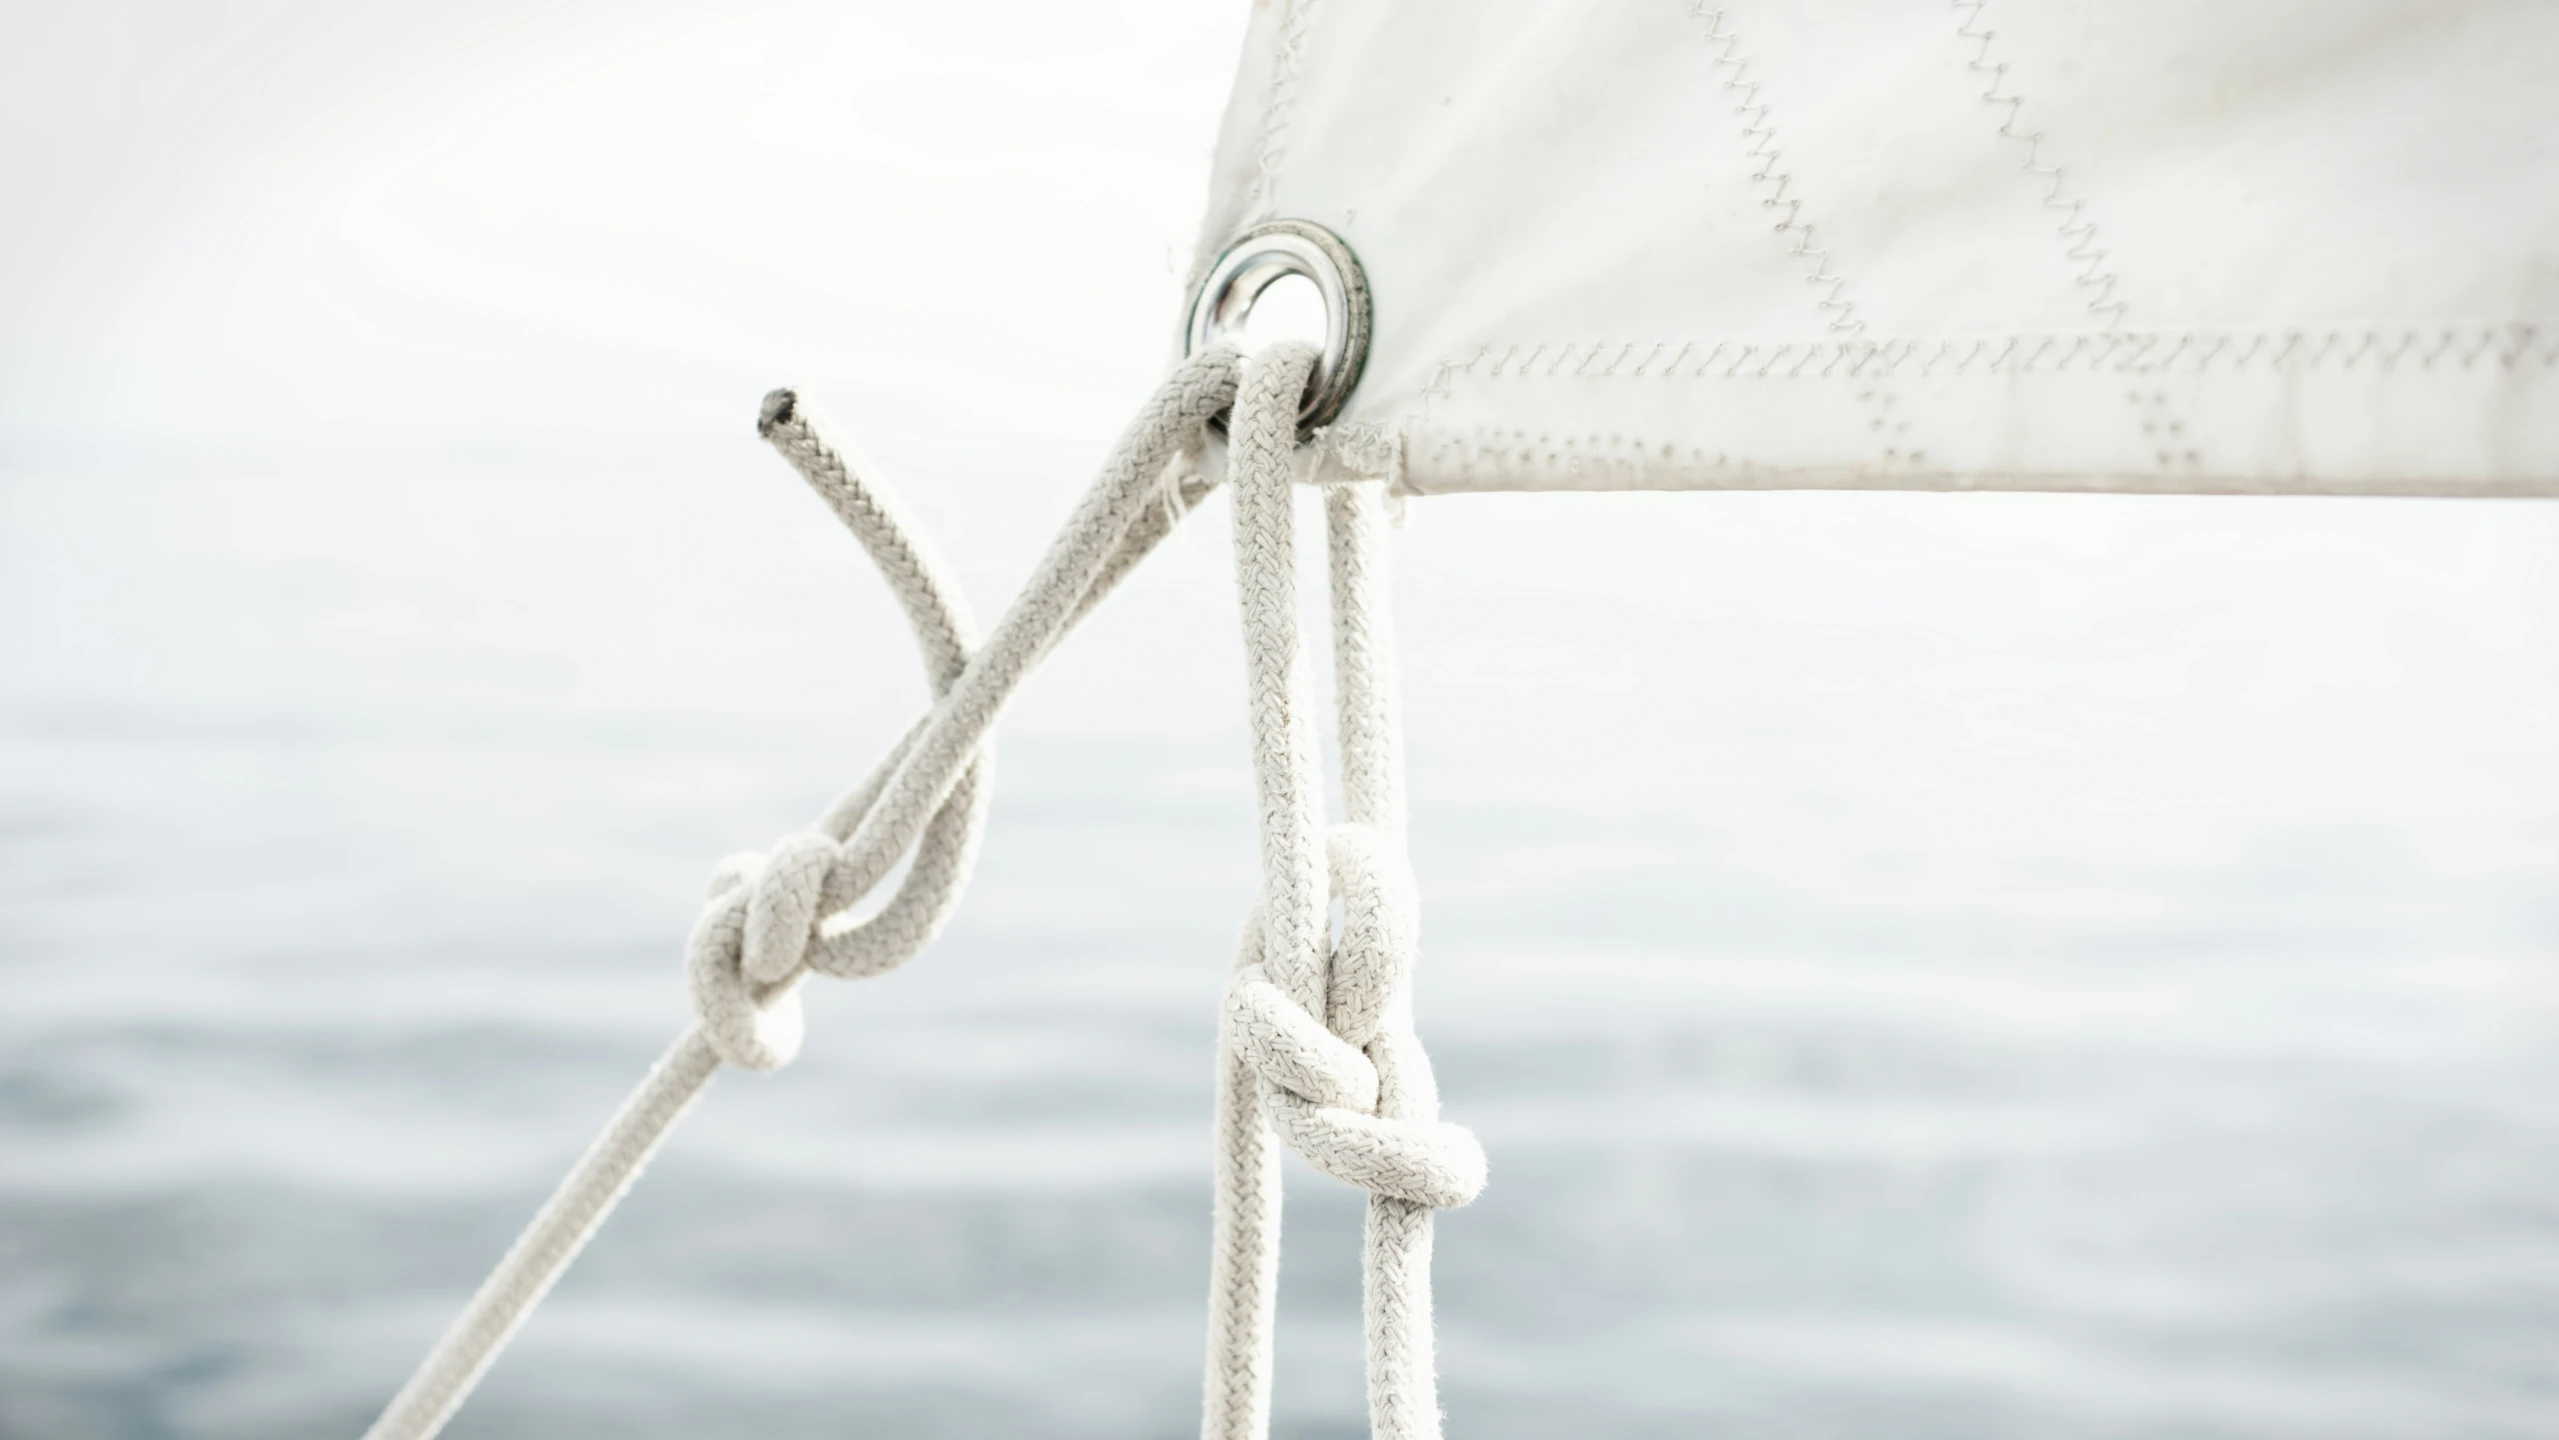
{"x":1316,"y":1043}
{"x":773,"y":917}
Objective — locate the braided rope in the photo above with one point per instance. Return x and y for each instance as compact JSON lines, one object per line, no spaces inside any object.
{"x":1351,"y":1091}
{"x":1317,"y":1045}
{"x":774,"y":916}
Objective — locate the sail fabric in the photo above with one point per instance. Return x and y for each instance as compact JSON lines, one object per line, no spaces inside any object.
{"x":2304,"y":246}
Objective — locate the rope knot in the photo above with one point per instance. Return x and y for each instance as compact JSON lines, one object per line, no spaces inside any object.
{"x":1352,"y":1092}
{"x":748,"y":948}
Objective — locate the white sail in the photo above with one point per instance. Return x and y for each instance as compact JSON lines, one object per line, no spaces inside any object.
{"x":2181,"y":246}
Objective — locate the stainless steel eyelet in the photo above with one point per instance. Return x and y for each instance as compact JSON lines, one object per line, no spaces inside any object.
{"x":1265,"y":254}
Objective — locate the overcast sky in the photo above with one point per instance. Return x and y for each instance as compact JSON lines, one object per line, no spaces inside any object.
{"x":251,"y":220}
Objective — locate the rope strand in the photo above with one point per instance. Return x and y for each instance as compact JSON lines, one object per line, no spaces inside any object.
{"x":1316,"y":1046}
{"x":767,"y":923}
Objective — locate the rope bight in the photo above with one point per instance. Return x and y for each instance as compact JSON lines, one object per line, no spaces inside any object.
{"x":1317,"y":1047}
{"x":1316,"y":1043}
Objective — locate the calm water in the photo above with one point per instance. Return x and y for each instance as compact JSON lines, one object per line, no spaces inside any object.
{"x":1922,"y":967}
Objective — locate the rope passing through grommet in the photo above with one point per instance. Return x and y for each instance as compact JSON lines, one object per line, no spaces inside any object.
{"x":1261,"y":257}
{"x":1317,"y":1048}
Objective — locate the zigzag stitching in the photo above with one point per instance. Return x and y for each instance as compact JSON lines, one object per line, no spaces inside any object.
{"x":2119,"y":352}
{"x":2078,"y":233}
{"x":1760,"y":145}
{"x":1278,"y":112}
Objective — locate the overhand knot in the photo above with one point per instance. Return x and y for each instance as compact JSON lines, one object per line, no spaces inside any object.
{"x":1352,"y":1092}
{"x":748,"y":950}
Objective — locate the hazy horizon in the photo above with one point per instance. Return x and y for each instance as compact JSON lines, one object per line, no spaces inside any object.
{"x":1921,"y":965}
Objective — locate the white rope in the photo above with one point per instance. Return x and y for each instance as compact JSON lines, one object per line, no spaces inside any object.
{"x":775,"y":916}
{"x":1317,"y":1047}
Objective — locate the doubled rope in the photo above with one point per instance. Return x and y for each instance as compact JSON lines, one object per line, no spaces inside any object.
{"x":774,"y":916}
{"x":1317,"y":1048}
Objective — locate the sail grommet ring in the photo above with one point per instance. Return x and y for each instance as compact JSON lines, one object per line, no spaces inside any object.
{"x":1265,"y":255}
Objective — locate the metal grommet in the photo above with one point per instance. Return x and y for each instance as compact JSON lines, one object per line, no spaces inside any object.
{"x":1265,"y":254}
